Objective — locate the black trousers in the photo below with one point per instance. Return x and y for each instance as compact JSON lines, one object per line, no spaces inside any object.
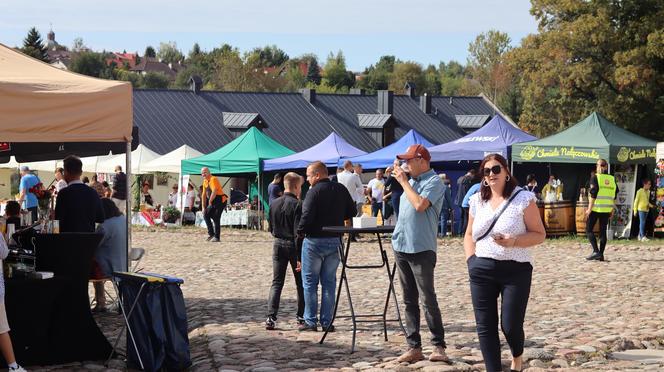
{"x":212,"y":215}
{"x":284,"y":253}
{"x":465,"y":214}
{"x":415,"y":272}
{"x":603,"y":223}
{"x":511,"y":280}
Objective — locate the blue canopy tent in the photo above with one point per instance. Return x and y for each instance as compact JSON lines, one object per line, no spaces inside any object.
{"x":330,"y":151}
{"x":385,"y":157}
{"x":495,"y":137}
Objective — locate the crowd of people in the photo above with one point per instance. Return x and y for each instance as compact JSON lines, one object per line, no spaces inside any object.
{"x":500,"y":225}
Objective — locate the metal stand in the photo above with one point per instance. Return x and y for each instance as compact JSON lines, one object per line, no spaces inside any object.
{"x":344,"y":282}
{"x":126,"y":316}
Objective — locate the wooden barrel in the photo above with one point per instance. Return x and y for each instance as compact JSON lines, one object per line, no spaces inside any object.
{"x":540,"y":206}
{"x":580,"y":218}
{"x":558,"y":218}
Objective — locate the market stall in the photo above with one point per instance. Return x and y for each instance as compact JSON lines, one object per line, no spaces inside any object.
{"x":385,"y":157}
{"x":576,"y":150}
{"x":47,"y":114}
{"x":242,"y":157}
{"x":330,"y":151}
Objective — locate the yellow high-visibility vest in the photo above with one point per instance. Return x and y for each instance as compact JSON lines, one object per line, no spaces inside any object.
{"x":606,"y":193}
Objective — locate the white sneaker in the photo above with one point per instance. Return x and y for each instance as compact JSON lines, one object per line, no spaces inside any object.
{"x":644,"y":239}
{"x":17,"y":369}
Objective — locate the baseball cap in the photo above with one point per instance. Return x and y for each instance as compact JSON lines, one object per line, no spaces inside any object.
{"x":415,"y":151}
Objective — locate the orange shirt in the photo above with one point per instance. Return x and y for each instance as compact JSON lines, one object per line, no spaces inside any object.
{"x":214,"y":185}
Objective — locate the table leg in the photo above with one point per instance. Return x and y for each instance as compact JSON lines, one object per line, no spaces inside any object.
{"x":341,"y":281}
{"x":390,"y":290}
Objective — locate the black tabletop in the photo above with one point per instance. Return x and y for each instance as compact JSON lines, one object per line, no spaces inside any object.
{"x":350,"y":229}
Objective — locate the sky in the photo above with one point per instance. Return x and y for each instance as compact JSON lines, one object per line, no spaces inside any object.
{"x":424,"y":31}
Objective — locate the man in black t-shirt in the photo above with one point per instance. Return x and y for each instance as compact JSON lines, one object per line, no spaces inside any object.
{"x":78,"y":206}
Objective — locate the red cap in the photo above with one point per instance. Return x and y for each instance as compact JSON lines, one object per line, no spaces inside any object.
{"x":415,"y":151}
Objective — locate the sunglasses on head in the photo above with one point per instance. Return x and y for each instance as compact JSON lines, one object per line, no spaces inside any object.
{"x":495,"y":169}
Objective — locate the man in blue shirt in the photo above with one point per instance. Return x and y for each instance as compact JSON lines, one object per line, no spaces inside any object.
{"x":414,"y":243}
{"x":465,"y":204}
{"x":27,"y":199}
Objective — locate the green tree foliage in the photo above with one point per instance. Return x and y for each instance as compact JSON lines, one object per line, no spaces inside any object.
{"x":486,"y":63}
{"x":154,"y":80}
{"x":78,"y":45}
{"x":267,"y":56}
{"x":169,"y":52}
{"x":335,"y":72}
{"x":593,"y":55}
{"x":150,"y":52}
{"x":406,"y":72}
{"x":452,"y":76}
{"x":91,"y":64}
{"x":377,"y":77}
{"x":313,"y":69}
{"x":33,"y":45}
{"x":195,"y":51}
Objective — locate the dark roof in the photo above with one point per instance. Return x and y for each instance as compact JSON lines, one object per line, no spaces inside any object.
{"x":169,"y":119}
{"x":241,"y":120}
{"x":471,"y":121}
{"x":373,"y":121}
{"x":149,"y":64}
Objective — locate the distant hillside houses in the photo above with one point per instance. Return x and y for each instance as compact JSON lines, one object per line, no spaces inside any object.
{"x":207,"y":120}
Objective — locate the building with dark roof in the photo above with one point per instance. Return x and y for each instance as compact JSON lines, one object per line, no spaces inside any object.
{"x":207,"y":120}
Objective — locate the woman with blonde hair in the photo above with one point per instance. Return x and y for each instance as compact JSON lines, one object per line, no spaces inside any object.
{"x":503,"y":224}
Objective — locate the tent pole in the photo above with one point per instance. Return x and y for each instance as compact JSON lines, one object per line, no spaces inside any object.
{"x":128,"y":198}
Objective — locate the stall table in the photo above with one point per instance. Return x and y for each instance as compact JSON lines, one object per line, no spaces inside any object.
{"x":343,"y":282}
{"x":249,"y":218}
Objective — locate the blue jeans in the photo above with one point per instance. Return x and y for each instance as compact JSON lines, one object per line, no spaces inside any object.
{"x":643,"y":216}
{"x":320,"y":259}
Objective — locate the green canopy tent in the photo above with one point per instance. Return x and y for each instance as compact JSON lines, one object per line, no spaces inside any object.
{"x":241,"y":157}
{"x":593,"y":138}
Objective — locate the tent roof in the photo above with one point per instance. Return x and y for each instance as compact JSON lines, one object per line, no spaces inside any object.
{"x":41,"y":103}
{"x":385,"y":157}
{"x":587,"y":141}
{"x":329,"y":151}
{"x":494,"y":137}
{"x":240,"y":156}
{"x":172,"y":161}
{"x":139,"y":158}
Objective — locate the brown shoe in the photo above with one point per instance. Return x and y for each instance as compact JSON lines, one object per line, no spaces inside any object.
{"x":438,"y":355}
{"x":411,"y":356}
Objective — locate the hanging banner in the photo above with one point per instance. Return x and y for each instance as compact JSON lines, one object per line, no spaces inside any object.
{"x":182,"y":195}
{"x":622,"y":218}
{"x":659,"y":195}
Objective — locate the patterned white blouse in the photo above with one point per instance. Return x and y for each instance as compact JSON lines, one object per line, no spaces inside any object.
{"x":510,"y":222}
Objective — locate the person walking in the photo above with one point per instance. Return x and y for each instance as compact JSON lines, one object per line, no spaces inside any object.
{"x":326,"y":204}
{"x":463,"y":184}
{"x":285,"y":213}
{"x":503,"y":224}
{"x":446,"y":209}
{"x":119,"y":195}
{"x":414,"y":244}
{"x":603,"y":191}
{"x":213,"y":203}
{"x":642,"y":206}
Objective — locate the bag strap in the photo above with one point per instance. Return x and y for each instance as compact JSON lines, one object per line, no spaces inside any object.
{"x":495,"y":219}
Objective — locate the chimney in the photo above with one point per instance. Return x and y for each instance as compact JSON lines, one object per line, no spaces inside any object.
{"x":385,"y":102}
{"x":195,"y":83}
{"x":357,"y":91}
{"x":309,"y":95}
{"x":451,"y":101}
{"x":410,"y":89}
{"x":425,"y":103}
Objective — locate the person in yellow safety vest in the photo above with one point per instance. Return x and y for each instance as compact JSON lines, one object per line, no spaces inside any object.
{"x":603,"y":191}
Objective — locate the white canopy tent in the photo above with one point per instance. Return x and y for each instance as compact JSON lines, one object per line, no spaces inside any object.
{"x":171,"y":162}
{"x":139,"y":158}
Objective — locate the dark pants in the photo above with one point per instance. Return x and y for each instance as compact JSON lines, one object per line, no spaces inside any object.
{"x":464,"y":220}
{"x":396,"y":198}
{"x":511,"y":280}
{"x":212,"y":217}
{"x":33,"y":212}
{"x":283,"y":253}
{"x":376,"y":207}
{"x":387,"y":210}
{"x":603,"y":223}
{"x":416,"y":279}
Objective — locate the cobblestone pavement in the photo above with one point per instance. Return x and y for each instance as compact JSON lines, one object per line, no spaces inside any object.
{"x":579,"y":312}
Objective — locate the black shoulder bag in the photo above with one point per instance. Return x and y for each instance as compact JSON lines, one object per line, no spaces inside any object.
{"x":495,"y":219}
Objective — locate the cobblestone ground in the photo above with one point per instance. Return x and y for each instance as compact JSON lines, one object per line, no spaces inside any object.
{"x":579,"y":312}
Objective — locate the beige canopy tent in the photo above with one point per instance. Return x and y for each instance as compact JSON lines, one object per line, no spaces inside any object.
{"x":41,"y":103}
{"x":45,"y":105}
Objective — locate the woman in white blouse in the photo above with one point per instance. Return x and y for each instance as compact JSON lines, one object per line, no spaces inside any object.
{"x":499,"y":262}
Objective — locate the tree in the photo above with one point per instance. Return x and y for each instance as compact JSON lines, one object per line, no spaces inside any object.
{"x":229,"y":70}
{"x":33,"y":45}
{"x":268,"y":56}
{"x":599,"y":55}
{"x":406,"y":72}
{"x":195,"y":51}
{"x":154,"y":80}
{"x":335,"y":72}
{"x":150,"y":52}
{"x":78,"y":45}
{"x":377,"y":77}
{"x":452,"y":77}
{"x":313,"y":69}
{"x":90,"y":64}
{"x":486,"y":63}
{"x":169,"y":52}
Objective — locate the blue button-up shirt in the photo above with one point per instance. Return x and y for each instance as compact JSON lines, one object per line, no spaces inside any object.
{"x":416,"y":231}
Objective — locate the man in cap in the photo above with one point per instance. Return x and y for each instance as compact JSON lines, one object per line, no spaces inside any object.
{"x":414,"y":243}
